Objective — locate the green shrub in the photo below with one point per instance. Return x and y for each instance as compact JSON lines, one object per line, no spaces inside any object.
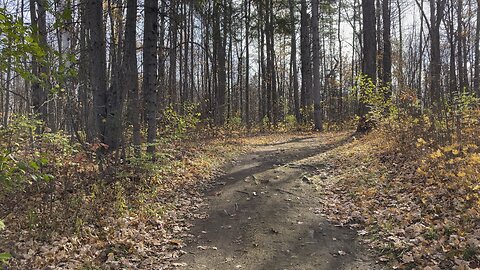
{"x":290,"y":122}
{"x":28,"y":157}
{"x":376,"y":98}
{"x":179,"y":125}
{"x":234,"y":123}
{"x":4,"y":256}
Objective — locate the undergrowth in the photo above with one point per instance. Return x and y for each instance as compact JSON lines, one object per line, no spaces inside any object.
{"x":61,"y":203}
{"x":414,"y":184}
{"x":65,"y":205}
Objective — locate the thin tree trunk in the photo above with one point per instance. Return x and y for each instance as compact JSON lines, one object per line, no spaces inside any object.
{"x":97,"y":66}
{"x":6,"y":110}
{"x":317,"y":115}
{"x":219,"y":47}
{"x":305,"y":56}
{"x":369,"y":57}
{"x":387,"y":48}
{"x":293,"y":60}
{"x":130,"y":78}
{"x":247,"y":63}
{"x":172,"y":85}
{"x":436,"y":15}
{"x":149,"y":71}
{"x":476,"y":82}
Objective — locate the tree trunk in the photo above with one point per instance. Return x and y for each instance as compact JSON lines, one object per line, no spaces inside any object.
{"x":436,"y":15}
{"x":162,"y":100}
{"x":115,"y":95}
{"x":6,"y":110}
{"x":476,"y":77}
{"x":172,"y":84}
{"x":130,"y":78}
{"x":293,"y":60}
{"x":340,"y":56}
{"x":219,"y":42}
{"x":150,"y":71}
{"x":306,"y":60}
{"x":369,"y":56}
{"x":247,"y":63}
{"x":317,"y":115}
{"x":401,"y":79}
{"x":460,"y":38}
{"x":387,"y":48}
{"x":97,"y":66}
{"x":37,"y":16}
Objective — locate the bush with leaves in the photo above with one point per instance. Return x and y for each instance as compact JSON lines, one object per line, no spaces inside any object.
{"x":22,"y":159}
{"x":377,"y":99}
{"x":4,"y":256}
{"x":234,"y":124}
{"x":179,"y":125}
{"x":16,"y":41}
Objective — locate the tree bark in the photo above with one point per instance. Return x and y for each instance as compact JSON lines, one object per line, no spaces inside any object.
{"x":219,"y":42}
{"x":369,"y":51}
{"x":387,"y":47}
{"x":115,"y":94}
{"x":149,"y":71}
{"x":97,"y":66}
{"x":317,"y":115}
{"x":476,"y":82}
{"x":436,"y":16}
{"x":37,"y":17}
{"x":247,"y":63}
{"x":293,"y":60}
{"x":130,"y":78}
{"x":306,"y":60}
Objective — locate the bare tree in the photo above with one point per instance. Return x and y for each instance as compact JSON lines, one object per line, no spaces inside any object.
{"x":305,"y":57}
{"x":150,"y":71}
{"x":130,"y":74}
{"x":97,"y":65}
{"x":317,"y":114}
{"x":369,"y":56}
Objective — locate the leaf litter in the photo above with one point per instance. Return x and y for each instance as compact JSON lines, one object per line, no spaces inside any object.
{"x":412,"y":222}
{"x":135,"y":238}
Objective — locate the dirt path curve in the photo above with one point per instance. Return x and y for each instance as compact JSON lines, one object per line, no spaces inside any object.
{"x":264,"y":214}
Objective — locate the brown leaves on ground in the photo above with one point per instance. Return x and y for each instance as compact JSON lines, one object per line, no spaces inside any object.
{"x":135,"y":220}
{"x":414,"y":219}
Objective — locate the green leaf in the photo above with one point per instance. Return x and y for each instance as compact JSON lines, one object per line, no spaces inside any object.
{"x":67,"y":14}
{"x":43,"y":161}
{"x":34,"y":165}
{"x":29,"y":39}
{"x":4,"y":257}
{"x":2,"y":225}
{"x":48,"y":177}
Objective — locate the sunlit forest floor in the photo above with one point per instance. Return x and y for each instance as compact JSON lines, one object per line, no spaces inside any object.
{"x":334,"y":200}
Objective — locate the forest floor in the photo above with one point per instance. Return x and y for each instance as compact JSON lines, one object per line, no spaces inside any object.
{"x":267,"y":212}
{"x":332,"y":200}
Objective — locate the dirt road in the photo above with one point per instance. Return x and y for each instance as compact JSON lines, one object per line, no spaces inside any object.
{"x":265,"y":213}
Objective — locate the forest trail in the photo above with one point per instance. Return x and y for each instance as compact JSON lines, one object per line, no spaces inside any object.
{"x":265,"y":213}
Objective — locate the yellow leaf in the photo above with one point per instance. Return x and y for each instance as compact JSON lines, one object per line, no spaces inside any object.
{"x":436,"y":154}
{"x":475,"y":159}
{"x":421,"y":142}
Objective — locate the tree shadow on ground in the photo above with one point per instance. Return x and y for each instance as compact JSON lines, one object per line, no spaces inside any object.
{"x":273,"y":222}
